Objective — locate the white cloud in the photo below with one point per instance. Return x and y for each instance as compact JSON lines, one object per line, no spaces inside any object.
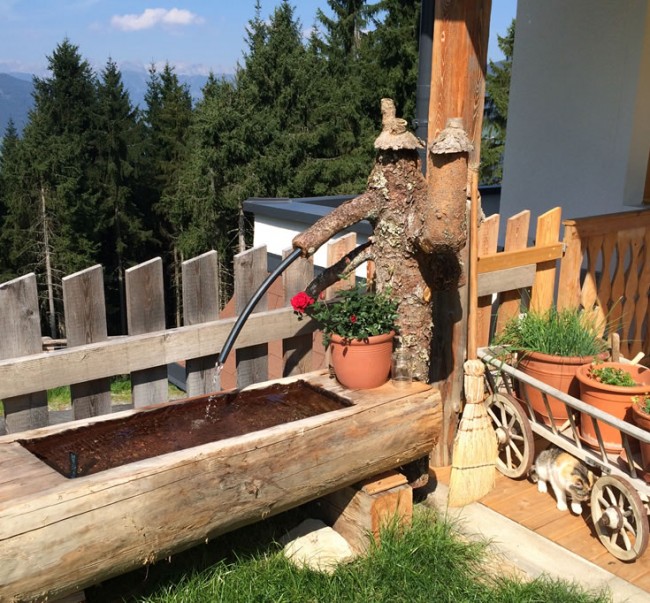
{"x":153,"y":17}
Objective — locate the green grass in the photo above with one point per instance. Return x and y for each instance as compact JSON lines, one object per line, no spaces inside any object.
{"x":59,"y":398}
{"x":428,"y":563}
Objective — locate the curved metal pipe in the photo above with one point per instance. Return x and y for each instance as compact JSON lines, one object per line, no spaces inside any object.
{"x":245,"y":313}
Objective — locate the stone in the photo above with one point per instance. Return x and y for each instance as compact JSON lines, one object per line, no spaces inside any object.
{"x":315,"y":545}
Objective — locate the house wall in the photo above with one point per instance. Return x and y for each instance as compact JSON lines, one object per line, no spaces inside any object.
{"x":277,"y":234}
{"x":579,"y":116}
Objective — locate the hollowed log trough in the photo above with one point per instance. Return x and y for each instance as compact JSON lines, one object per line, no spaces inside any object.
{"x":60,"y":534}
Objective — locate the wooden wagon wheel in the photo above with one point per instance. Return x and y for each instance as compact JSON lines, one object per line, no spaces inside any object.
{"x":514,"y":435}
{"x":620,"y":518}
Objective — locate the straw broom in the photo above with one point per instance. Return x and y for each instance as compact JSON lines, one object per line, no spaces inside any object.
{"x":475,"y":446}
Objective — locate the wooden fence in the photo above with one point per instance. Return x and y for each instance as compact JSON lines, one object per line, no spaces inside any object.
{"x":509,"y":279}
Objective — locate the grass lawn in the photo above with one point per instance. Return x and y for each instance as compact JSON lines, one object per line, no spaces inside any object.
{"x":59,"y":398}
{"x":428,"y":563}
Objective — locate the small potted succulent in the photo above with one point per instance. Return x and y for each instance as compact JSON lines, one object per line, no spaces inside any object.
{"x":611,"y":387}
{"x":550,"y":346}
{"x":358,"y":328}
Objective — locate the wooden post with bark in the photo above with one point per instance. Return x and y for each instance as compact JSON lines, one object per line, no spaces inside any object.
{"x":460,"y":39}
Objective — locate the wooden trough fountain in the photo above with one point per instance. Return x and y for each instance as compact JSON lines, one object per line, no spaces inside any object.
{"x":85,"y":501}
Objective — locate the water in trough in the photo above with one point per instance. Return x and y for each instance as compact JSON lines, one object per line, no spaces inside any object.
{"x":174,"y":426}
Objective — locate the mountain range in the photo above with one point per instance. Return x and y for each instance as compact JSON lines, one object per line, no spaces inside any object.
{"x":16,"y":93}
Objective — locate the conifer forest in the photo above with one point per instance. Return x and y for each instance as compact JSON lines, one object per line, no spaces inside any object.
{"x":92,"y":179}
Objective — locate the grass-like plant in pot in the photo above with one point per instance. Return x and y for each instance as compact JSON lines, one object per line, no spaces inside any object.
{"x":611,"y":387}
{"x":358,"y":328}
{"x":550,"y":346}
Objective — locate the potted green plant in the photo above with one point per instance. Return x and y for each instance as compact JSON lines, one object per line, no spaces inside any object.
{"x":612,"y":388}
{"x":641,"y":418}
{"x":550,"y":346}
{"x":358,"y":327}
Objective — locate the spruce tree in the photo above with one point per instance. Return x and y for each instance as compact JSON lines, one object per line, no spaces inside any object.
{"x":394,"y":43}
{"x":9,"y":191}
{"x":59,"y":147}
{"x":345,"y":108}
{"x":497,"y":85}
{"x":119,"y":143}
{"x":167,"y":117}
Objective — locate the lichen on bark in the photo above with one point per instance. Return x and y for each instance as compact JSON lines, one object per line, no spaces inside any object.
{"x":404,"y":246}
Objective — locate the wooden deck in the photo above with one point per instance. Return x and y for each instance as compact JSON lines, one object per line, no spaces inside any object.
{"x":520,"y":501}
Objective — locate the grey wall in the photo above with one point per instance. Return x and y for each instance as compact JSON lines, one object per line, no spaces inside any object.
{"x":579,"y":116}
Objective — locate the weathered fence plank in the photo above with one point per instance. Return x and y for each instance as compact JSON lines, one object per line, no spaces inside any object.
{"x":250,"y":272}
{"x":20,"y":332}
{"x":85,"y":322}
{"x":201,"y":303}
{"x":122,"y":355}
{"x":145,"y":307}
{"x":297,"y":351}
{"x":337,"y":249}
{"x":488,"y":240}
{"x":516,"y":239}
{"x":548,"y":233}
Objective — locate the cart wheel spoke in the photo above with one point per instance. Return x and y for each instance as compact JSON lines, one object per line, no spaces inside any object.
{"x":517,"y":451}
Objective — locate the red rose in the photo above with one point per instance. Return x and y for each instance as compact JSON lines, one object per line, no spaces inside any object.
{"x":301,"y":301}
{"x":353,"y":318}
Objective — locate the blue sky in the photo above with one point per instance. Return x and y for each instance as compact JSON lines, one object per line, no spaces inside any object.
{"x":195,"y":36}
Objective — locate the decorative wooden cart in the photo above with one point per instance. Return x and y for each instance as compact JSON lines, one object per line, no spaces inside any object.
{"x":620,"y":499}
{"x":59,"y":534}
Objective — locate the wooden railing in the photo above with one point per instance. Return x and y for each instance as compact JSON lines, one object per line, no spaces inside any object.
{"x":606,"y":271}
{"x":603,"y":263}
{"x":510,"y":280}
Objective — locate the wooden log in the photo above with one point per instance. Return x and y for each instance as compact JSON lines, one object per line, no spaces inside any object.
{"x":145,"y":306}
{"x":85,"y":322}
{"x":201,"y":303}
{"x":76,"y":532}
{"x":21,"y":335}
{"x":359,"y":512}
{"x":250,"y":272}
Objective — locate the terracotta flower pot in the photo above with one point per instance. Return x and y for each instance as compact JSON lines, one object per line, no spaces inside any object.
{"x":615,"y":400}
{"x":642,"y":420}
{"x":362,"y":364}
{"x":558,"y":372}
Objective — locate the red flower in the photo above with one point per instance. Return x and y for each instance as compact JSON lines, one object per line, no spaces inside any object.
{"x":353,"y":318}
{"x":301,"y":301}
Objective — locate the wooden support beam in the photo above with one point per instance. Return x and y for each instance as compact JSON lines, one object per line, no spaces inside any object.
{"x":460,"y":40}
{"x":459,"y":62}
{"x":359,"y":512}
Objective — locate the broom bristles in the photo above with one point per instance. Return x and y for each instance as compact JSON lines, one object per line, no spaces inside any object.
{"x":473,"y":470}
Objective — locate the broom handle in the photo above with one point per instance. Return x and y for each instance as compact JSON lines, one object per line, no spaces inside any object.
{"x":472,"y":306}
